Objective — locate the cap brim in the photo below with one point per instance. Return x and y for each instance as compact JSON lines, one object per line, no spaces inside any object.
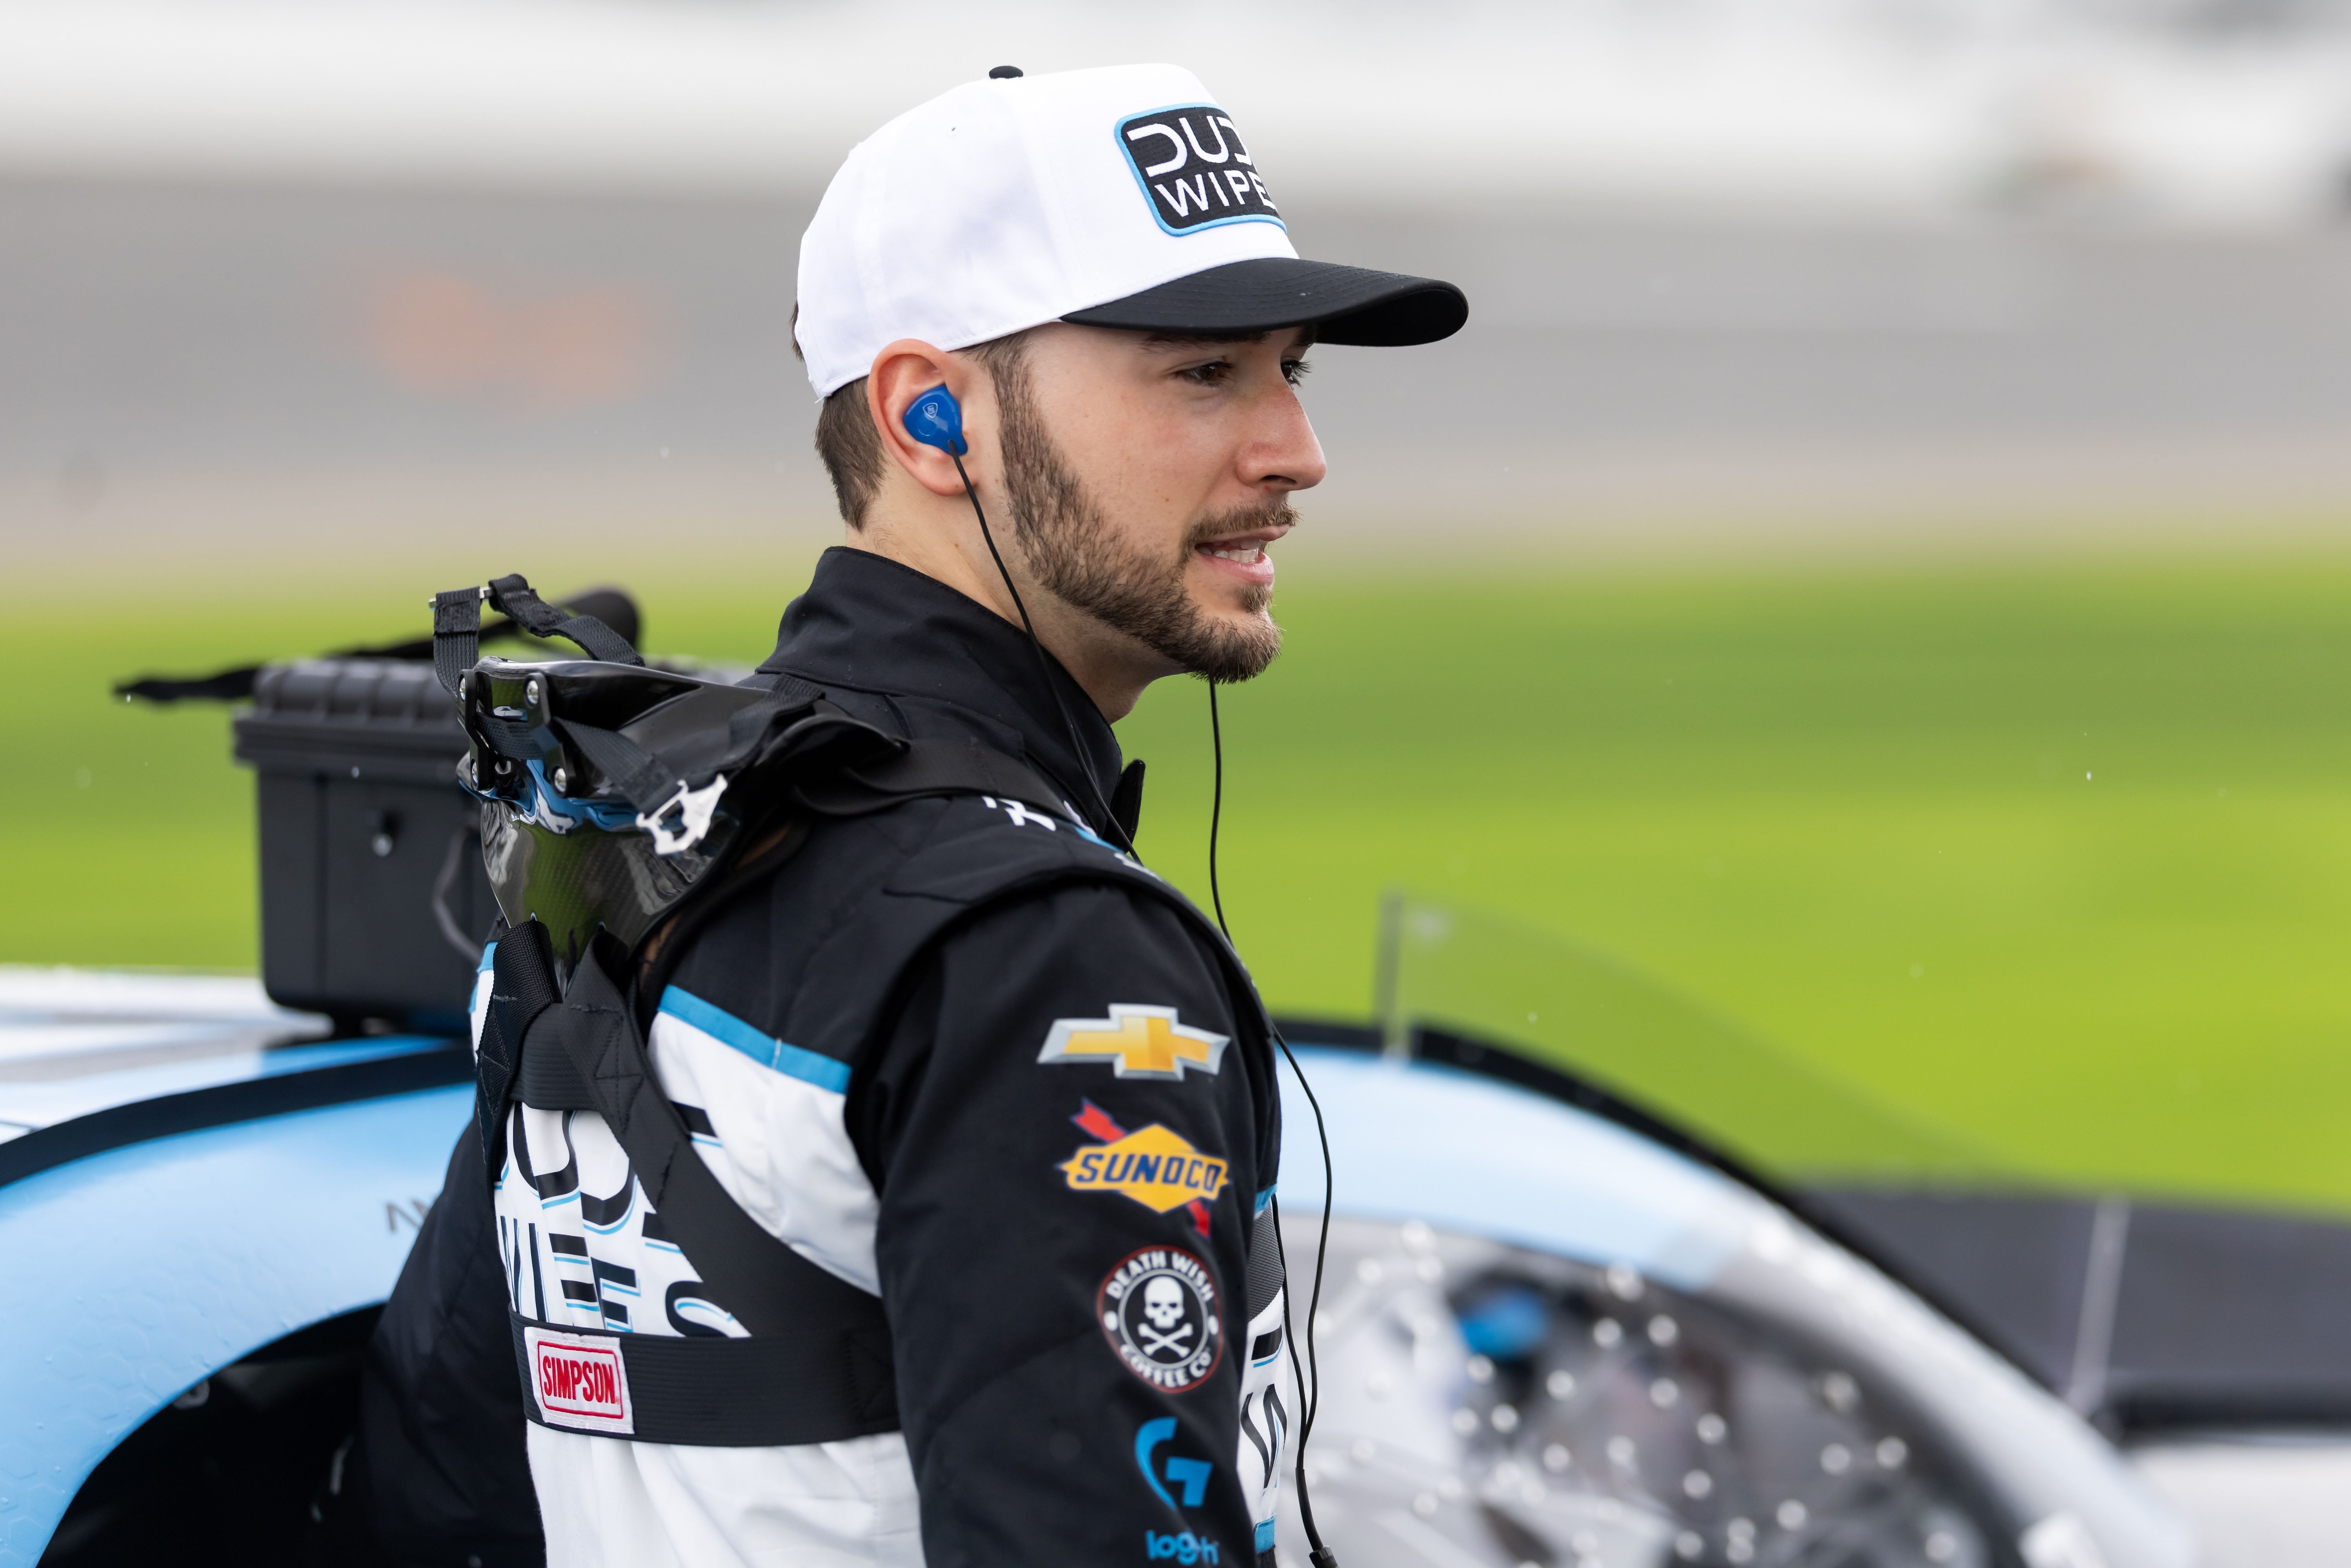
{"x":1343,"y":304}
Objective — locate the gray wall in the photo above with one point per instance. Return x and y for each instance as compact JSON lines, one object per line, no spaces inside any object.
{"x":228,"y":370}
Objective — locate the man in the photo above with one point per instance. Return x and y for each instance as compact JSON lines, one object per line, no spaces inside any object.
{"x":964,"y":1053}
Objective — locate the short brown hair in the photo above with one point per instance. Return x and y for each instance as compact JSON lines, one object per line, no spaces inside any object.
{"x":851,"y":448}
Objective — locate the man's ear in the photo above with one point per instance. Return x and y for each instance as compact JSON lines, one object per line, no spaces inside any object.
{"x":902,"y":373}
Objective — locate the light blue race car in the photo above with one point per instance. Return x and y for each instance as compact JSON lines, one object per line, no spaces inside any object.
{"x":208,"y":1202}
{"x":1543,"y":1335}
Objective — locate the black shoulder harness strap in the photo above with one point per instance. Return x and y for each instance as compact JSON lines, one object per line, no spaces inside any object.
{"x":928,"y":768}
{"x":817,"y":1367}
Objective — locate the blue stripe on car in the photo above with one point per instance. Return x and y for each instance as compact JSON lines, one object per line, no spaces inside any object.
{"x":724,"y":1027}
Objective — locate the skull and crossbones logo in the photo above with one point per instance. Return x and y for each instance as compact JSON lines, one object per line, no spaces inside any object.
{"x":1159,"y":1309}
{"x":1162,"y":1309}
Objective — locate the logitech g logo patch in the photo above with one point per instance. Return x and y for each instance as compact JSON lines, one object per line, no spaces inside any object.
{"x":1189,"y":1476}
{"x":1158,"y":1308}
{"x":1196,"y":171}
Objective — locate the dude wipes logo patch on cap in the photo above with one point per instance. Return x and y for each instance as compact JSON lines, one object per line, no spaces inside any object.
{"x":579,"y":1382}
{"x":1195,"y":169}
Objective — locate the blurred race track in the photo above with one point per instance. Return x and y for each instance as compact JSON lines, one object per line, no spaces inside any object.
{"x":305,"y":368}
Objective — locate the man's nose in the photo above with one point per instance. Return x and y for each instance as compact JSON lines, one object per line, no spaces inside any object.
{"x":1285,"y":455}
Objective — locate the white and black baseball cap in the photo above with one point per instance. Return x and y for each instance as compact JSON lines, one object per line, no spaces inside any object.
{"x":1118,"y":197}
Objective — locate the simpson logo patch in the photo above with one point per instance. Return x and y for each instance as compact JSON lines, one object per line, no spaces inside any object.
{"x":1193,"y":168}
{"x":1157,"y":1168}
{"x":1158,"y":1309}
{"x":1136,"y":1042}
{"x":579,"y":1382}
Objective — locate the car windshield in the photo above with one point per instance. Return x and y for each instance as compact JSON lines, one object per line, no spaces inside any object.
{"x":1490,"y":980}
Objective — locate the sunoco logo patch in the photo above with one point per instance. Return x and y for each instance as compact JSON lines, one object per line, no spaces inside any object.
{"x":1158,"y":1308}
{"x":1157,"y":1168}
{"x":1195,"y":169}
{"x":579,"y":1382}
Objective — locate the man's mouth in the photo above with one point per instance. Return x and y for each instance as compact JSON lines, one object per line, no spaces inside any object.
{"x":1242,"y":555}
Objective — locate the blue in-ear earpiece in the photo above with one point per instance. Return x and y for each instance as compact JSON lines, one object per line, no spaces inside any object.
{"x":935,"y":419}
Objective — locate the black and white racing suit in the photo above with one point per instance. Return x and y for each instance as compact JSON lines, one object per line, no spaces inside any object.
{"x":964,"y":1055}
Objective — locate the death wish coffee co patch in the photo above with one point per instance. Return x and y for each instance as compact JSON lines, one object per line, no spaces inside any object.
{"x":1195,"y":168}
{"x":1158,"y":1308}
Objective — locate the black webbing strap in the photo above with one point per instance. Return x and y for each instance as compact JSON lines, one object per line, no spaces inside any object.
{"x":457,"y":628}
{"x":456,"y":636}
{"x":635,"y":772}
{"x":609,"y":605}
{"x":749,"y":725}
{"x":522,"y":986}
{"x":509,"y":736}
{"x":930,"y":768}
{"x":715,"y":1393}
{"x":834,"y":1338}
{"x":546,"y":1080}
{"x":230,"y":685}
{"x":540,"y":618}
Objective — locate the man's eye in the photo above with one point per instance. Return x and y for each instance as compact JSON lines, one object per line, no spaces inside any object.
{"x":1216,"y":373}
{"x":1294,"y":370}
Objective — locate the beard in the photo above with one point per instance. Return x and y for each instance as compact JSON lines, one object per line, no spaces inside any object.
{"x":1077,"y":555}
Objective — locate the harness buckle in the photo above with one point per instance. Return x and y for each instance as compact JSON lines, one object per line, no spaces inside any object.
{"x":690,"y":808}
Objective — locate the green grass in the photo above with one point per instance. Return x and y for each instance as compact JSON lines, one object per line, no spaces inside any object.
{"x":2058,"y":856}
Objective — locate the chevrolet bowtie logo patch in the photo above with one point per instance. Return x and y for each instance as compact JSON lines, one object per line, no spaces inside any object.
{"x":1137,"y":1043}
{"x":1158,"y":1169}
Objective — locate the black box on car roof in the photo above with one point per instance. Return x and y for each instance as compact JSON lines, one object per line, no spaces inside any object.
{"x":373,"y":900}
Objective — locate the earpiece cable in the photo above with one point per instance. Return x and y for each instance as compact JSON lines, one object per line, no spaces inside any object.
{"x":1215,"y":807}
{"x":1044,"y":666}
{"x":1308,"y":1371}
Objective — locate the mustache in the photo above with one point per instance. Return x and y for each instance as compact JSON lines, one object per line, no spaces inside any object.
{"x":1239,"y":520}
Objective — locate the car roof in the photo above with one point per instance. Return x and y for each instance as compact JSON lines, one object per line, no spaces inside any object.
{"x":74,"y":1042}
